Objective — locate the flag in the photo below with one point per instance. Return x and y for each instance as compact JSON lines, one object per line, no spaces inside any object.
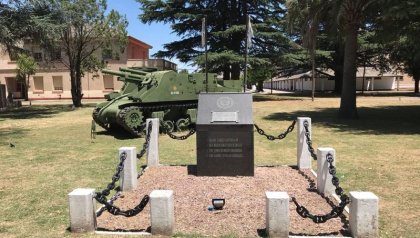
{"x":250,"y":32}
{"x":203,"y":32}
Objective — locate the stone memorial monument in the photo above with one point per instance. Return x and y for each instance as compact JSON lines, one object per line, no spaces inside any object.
{"x":225,"y":138}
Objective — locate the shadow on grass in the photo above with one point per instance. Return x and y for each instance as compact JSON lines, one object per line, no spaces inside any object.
{"x":376,"y":120}
{"x":28,"y":112}
{"x":8,"y":135}
{"x":345,"y":229}
{"x":118,"y":134}
{"x":12,"y":132}
{"x":307,"y":95}
{"x":292,"y":96}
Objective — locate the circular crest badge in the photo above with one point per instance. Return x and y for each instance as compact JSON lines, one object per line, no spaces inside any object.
{"x":224,"y":102}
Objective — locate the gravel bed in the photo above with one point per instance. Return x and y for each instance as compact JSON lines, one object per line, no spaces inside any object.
{"x":244,"y":212}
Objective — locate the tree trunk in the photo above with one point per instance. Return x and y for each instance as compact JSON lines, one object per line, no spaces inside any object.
{"x":260,"y":86}
{"x":348,"y":109}
{"x":226,"y":73}
{"x":338,"y":67}
{"x":26,"y":88}
{"x":236,"y":71}
{"x":76,"y":89}
{"x":416,"y":78}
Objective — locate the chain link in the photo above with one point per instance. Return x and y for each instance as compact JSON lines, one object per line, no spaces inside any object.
{"x":308,"y":140}
{"x":166,"y":130}
{"x":110,"y":201}
{"x":114,"y":210}
{"x":101,"y":196}
{"x":146,"y":142}
{"x":336,"y":210}
{"x":143,"y":169}
{"x":280,"y":136}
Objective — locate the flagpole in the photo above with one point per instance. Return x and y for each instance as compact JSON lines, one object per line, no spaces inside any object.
{"x":205,"y":50}
{"x":246,"y":52}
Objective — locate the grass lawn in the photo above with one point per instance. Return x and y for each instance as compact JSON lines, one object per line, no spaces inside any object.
{"x":54,"y":154}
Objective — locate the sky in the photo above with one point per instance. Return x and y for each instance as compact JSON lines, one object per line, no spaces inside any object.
{"x":155,"y":34}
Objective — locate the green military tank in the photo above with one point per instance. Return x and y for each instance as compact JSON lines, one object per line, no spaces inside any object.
{"x":172,"y":97}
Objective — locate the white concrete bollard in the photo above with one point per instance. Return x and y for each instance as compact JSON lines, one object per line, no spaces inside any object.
{"x":153,"y":149}
{"x":82,"y":210}
{"x":129,"y":173}
{"x":303,"y":156}
{"x":324,"y":183}
{"x":162,"y":212}
{"x":364,"y":214}
{"x":277,"y":214}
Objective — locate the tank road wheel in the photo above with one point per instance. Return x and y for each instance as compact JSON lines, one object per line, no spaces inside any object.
{"x":134,"y":120}
{"x":169,"y":126}
{"x":182,"y":124}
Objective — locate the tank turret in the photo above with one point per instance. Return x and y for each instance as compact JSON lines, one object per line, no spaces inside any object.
{"x":172,"y":97}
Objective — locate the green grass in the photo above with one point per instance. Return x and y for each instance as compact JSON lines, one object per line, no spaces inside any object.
{"x":54,"y":154}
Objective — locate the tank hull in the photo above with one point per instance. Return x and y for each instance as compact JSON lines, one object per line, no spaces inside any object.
{"x":166,"y":95}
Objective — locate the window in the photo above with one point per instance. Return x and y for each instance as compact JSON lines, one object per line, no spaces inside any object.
{"x":108,"y":82}
{"x":38,"y":84}
{"x":19,"y":86}
{"x":58,"y":83}
{"x":13,"y":54}
{"x":378,"y":78}
{"x":399,"y":78}
{"x":55,"y":54}
{"x":37,"y":56}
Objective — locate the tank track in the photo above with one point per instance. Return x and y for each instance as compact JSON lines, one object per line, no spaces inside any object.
{"x":148,"y":108}
{"x":95,"y":118}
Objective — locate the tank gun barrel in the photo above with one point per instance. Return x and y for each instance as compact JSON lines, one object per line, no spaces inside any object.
{"x":133,"y":71}
{"x":123,"y":74}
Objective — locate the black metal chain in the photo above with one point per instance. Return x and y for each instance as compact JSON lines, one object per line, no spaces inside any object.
{"x":143,"y":169}
{"x":280,"y":136}
{"x":336,"y":210}
{"x":175,"y":137}
{"x":110,"y":201}
{"x":127,"y":213}
{"x":146,"y":142}
{"x":101,"y":196}
{"x":308,"y":140}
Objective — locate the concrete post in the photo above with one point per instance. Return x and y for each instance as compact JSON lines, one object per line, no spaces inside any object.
{"x":364,"y":214}
{"x":129,"y":173}
{"x":162,"y":212}
{"x":303,"y":156}
{"x":324,"y":184}
{"x":82,"y":210}
{"x":152,"y":153}
{"x":277,"y":214}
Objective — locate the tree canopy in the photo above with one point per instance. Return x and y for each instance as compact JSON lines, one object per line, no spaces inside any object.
{"x":26,"y":66}
{"x":398,"y":28}
{"x":79,"y":28}
{"x":226,"y":21}
{"x":86,"y":30}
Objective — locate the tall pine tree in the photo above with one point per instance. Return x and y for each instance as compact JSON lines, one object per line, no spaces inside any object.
{"x":226,"y":31}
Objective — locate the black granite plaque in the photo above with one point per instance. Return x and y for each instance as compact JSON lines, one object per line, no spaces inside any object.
{"x":225,"y":141}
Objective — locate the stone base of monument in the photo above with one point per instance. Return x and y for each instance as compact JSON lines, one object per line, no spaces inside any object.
{"x":225,"y":135}
{"x":225,"y":150}
{"x":244,"y":212}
